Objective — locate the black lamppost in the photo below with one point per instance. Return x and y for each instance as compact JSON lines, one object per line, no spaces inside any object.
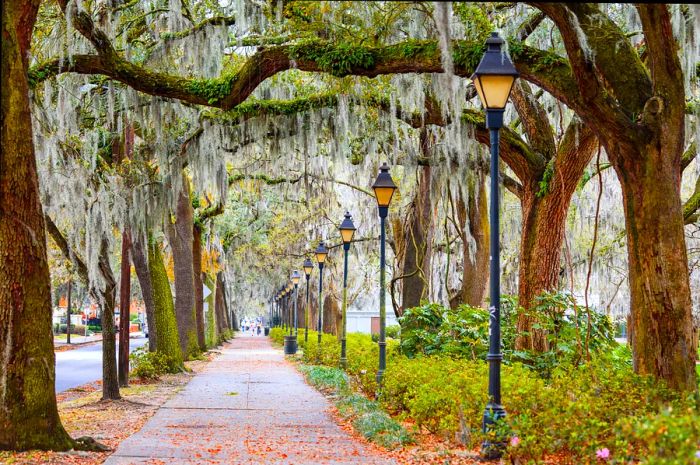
{"x":493,"y":79}
{"x":384,"y":188}
{"x":321,"y":253}
{"x":347,"y":231}
{"x":308,"y":268}
{"x":296,"y":277}
{"x":289,"y":306}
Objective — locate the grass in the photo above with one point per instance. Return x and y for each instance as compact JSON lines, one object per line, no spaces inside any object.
{"x":366,"y":415}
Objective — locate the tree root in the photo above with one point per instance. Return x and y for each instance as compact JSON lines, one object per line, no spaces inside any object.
{"x":86,"y":443}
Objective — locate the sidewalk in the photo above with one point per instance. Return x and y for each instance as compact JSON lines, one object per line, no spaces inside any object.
{"x":76,"y":340}
{"x":248,"y":406}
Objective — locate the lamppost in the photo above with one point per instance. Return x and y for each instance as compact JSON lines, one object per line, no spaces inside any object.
{"x":384,"y":188}
{"x":347,"y":231}
{"x":289,"y":306}
{"x":493,"y":79}
{"x":308,"y":268}
{"x":296,"y":277}
{"x":321,"y":253}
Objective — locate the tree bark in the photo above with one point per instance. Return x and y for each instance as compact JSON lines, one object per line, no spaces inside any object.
{"x":164,"y":309}
{"x":220,"y":317}
{"x":180,"y":237}
{"x":474,"y":215}
{"x":417,"y":238}
{"x":107,"y":301}
{"x":661,"y":318}
{"x":28,"y":414}
{"x":138,"y":255}
{"x":198,"y":286}
{"x":68,"y":310}
{"x":124,"y":310}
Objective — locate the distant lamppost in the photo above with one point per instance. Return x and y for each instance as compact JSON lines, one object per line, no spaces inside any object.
{"x":308,"y":268}
{"x":296,"y":277}
{"x":347,"y":231}
{"x":289,"y":288}
{"x":384,"y":188}
{"x":493,"y":79}
{"x":321,"y":253}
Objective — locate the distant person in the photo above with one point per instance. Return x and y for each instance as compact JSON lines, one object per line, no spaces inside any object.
{"x":259,"y":330}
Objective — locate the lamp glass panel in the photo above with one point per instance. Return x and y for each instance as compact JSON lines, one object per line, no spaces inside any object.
{"x":384,"y":195}
{"x":295,"y":279}
{"x":308,"y":269}
{"x":494,"y":90}
{"x":321,"y":257}
{"x":347,"y":234}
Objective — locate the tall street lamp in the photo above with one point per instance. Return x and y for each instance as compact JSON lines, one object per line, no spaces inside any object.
{"x":347,"y":231}
{"x":493,"y":79}
{"x":289,"y":306}
{"x":290,"y":340}
{"x":384,"y":188}
{"x":308,"y":268}
{"x":321,"y":253}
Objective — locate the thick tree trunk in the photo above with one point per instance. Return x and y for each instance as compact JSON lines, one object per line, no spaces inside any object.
{"x":198,"y":286}
{"x":28,"y":414}
{"x":108,"y":300}
{"x":661,"y":320}
{"x":138,"y":255}
{"x":164,"y":311}
{"x":543,"y":227}
{"x":474,"y":215}
{"x":417,"y":238}
{"x":180,"y":237}
{"x":124,"y":310}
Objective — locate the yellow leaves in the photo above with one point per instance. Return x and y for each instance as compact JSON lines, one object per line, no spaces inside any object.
{"x":210,"y":261}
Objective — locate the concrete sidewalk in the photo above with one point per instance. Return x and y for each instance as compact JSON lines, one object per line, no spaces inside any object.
{"x":248,"y":406}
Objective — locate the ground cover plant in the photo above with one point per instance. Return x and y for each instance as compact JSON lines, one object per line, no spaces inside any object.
{"x":588,"y":411}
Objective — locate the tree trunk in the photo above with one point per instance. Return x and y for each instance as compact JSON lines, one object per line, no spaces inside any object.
{"x":124,"y":310}
{"x":68,"y":310}
{"x":138,"y":255}
{"x":661,"y":319}
{"x":28,"y":414}
{"x":332,"y":313}
{"x":107,"y":300}
{"x":219,"y":310}
{"x":180,"y":237}
{"x":198,"y":286}
{"x":164,"y":311}
{"x":475,"y":216}
{"x":417,"y":239}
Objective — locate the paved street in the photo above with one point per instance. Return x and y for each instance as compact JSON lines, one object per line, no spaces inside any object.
{"x":84,"y":365}
{"x":248,"y":406}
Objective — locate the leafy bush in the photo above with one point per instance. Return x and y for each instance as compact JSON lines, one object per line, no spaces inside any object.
{"x":393,"y":331}
{"x":74,"y":329}
{"x":150,"y":365}
{"x":432,"y":329}
{"x":463,"y":332}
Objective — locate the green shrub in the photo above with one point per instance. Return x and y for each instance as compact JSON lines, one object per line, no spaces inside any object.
{"x":150,"y":365}
{"x":326,"y":378}
{"x":393,"y":331}
{"x":380,"y":428}
{"x":74,"y":329}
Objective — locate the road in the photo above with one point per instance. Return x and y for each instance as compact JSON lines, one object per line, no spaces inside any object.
{"x":84,"y":365}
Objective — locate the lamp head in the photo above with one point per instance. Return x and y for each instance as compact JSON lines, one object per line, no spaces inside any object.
{"x":321,"y":253}
{"x":296,"y":276}
{"x":384,"y":186}
{"x":347,"y":229}
{"x":495,"y":75}
{"x":308,"y":267}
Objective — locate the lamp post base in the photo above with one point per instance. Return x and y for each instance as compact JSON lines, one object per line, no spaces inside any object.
{"x":495,"y":443}
{"x":290,"y":345}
